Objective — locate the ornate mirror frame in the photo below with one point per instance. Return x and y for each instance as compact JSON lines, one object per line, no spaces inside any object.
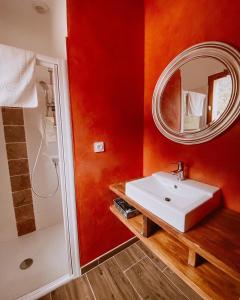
{"x":226,"y":54}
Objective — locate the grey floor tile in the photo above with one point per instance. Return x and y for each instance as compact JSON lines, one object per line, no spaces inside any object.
{"x":109,"y":282}
{"x":129,"y":256}
{"x":152,"y":284}
{"x":152,"y":256}
{"x":181,"y":285}
{"x":78,"y":289}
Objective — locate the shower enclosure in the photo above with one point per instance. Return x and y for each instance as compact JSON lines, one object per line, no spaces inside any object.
{"x":38,"y":232}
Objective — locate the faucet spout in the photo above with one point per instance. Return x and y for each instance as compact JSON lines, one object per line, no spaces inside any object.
{"x":180,"y":171}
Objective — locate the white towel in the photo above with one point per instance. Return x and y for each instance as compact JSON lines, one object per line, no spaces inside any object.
{"x":195,"y":104}
{"x":17,"y":77}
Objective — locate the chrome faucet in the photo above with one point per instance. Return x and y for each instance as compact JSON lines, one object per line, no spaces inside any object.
{"x":180,"y":171}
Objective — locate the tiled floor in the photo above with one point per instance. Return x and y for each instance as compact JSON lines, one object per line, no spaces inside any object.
{"x":134,"y":273}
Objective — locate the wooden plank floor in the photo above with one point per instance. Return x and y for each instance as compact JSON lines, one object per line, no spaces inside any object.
{"x":134,"y":273}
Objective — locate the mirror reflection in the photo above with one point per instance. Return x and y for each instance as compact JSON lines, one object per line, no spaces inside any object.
{"x":196,"y":95}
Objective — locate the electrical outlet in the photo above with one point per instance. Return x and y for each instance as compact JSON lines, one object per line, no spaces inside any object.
{"x":98,"y":147}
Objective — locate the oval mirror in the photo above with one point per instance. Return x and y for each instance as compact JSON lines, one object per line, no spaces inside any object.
{"x":197,"y":96}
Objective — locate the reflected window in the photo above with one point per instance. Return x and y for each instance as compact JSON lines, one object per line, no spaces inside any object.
{"x":222,"y":89}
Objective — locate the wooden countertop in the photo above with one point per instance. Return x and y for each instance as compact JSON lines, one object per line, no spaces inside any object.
{"x":216,"y":238}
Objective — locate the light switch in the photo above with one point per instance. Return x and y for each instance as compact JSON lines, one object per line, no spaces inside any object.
{"x":98,"y":147}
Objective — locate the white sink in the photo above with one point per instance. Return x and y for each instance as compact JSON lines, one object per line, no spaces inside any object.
{"x":179,"y":203}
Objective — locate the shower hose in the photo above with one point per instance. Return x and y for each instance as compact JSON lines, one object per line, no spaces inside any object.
{"x":35,"y":165}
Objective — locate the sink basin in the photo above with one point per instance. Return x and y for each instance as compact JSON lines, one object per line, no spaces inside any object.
{"x":181,"y":204}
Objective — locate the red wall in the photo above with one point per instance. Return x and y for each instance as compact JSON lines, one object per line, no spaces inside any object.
{"x":105,"y":57}
{"x":170,"y":27}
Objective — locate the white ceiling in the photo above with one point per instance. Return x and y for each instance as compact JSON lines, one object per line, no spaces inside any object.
{"x":21,"y":26}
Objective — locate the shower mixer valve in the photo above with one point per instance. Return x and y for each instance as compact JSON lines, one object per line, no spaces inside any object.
{"x":55,"y":161}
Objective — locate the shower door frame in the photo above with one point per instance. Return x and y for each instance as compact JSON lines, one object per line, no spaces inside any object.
{"x":65,"y":149}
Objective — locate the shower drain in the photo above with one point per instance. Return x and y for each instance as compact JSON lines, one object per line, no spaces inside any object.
{"x":26,"y":263}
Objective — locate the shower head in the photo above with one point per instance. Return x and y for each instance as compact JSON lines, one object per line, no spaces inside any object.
{"x":44,"y":85}
{"x":40,"y":6}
